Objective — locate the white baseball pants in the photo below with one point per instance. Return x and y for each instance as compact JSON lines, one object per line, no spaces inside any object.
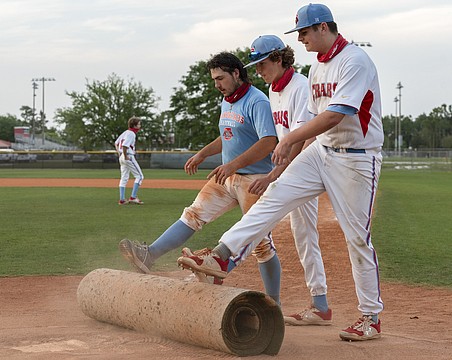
{"x":127,"y":167}
{"x":351,"y":183}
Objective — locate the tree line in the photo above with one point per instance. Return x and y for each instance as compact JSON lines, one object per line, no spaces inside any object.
{"x":100,"y":113}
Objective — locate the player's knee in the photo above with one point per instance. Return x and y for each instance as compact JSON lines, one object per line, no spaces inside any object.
{"x":264,"y":252}
{"x":192,"y":219}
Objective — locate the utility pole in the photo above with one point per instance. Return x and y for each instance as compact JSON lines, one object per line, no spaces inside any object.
{"x":43,"y":114}
{"x":35,"y":87}
{"x":396,"y":126}
{"x":399,"y":87}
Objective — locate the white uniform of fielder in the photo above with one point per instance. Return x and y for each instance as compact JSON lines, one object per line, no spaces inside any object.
{"x":128,"y":138}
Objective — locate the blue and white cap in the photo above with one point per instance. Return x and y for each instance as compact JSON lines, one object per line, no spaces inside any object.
{"x":310,"y":15}
{"x":262,"y":47}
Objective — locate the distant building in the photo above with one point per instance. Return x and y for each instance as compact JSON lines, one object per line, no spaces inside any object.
{"x":5,"y":144}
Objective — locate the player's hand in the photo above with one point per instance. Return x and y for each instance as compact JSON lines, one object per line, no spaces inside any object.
{"x":191,"y":166}
{"x":259,"y":186}
{"x":221,"y":173}
{"x":281,"y":153}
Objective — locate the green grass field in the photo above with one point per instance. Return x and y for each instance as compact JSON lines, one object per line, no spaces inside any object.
{"x":412,"y":227}
{"x":75,"y":230}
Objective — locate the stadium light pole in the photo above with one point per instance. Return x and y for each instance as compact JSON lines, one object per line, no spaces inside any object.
{"x":35,"y":87}
{"x":399,"y":87}
{"x":43,"y":115}
{"x":396,"y":126}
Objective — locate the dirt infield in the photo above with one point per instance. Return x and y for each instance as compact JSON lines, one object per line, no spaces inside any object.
{"x":40,"y":318}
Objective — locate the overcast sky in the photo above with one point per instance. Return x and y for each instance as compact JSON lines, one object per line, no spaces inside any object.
{"x":155,"y":41}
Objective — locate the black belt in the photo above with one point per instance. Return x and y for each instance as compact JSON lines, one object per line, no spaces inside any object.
{"x":346,"y":150}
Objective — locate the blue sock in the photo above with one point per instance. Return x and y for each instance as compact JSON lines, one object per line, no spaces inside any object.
{"x":135,"y":189}
{"x":320,"y":302}
{"x":375,"y":318}
{"x":122,"y":193}
{"x":271,"y":276}
{"x":231,"y":266}
{"x":171,"y":239}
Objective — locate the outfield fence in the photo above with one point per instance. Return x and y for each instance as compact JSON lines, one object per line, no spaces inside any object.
{"x":98,"y":160}
{"x":430,"y":159}
{"x":436,"y":159}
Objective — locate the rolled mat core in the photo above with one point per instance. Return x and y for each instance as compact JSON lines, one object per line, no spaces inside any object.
{"x":232,"y":320}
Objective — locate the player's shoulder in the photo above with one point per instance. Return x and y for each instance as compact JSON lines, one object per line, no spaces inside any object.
{"x":256,"y":96}
{"x":257,"y":93}
{"x":352,"y":51}
{"x":299,"y":79}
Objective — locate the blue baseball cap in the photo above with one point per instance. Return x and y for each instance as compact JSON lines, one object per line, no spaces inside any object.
{"x":310,"y":15}
{"x":262,"y":47}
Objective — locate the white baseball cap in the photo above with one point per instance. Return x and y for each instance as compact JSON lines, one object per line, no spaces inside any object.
{"x":310,"y":15}
{"x":262,"y":47}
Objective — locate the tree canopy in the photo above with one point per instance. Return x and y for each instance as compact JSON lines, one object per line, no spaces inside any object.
{"x":99,"y":115}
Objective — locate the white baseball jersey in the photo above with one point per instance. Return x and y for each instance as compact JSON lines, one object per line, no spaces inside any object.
{"x":289,"y":106}
{"x":334,"y":83}
{"x":127,"y":138}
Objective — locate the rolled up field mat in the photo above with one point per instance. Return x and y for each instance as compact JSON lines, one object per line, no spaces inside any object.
{"x":232,"y":320}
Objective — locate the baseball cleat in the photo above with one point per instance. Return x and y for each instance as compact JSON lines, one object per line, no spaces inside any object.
{"x":136,"y":201}
{"x":137,"y":254}
{"x":123,"y":202}
{"x":200,"y":276}
{"x":310,"y":316}
{"x":364,"y":329}
{"x":207,"y":264}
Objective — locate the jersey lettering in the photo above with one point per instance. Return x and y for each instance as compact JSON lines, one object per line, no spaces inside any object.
{"x":281,"y":118}
{"x":323,"y":90}
{"x":233,"y":116}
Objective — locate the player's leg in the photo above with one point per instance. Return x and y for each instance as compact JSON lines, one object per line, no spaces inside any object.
{"x":352,"y":195}
{"x":212,"y":201}
{"x":303,"y":221}
{"x":265,"y":252}
{"x":299,"y":183}
{"x":123,"y":181}
{"x":135,"y":169}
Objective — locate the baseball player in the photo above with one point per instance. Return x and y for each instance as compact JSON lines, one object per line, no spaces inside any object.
{"x":125,"y":146}
{"x":247,"y":137}
{"x":289,"y":93}
{"x":344,"y":160}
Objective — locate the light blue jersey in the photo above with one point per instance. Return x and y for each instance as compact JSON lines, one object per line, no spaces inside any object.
{"x":242,"y":124}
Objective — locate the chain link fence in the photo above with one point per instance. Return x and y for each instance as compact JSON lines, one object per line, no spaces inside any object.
{"x":435,"y":159}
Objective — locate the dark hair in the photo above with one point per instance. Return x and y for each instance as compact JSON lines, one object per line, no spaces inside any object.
{"x":332,"y":26}
{"x":228,"y":62}
{"x":133,"y":121}
{"x":286,"y":55}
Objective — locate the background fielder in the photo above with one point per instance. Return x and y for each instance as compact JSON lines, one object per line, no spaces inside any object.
{"x":125,"y":146}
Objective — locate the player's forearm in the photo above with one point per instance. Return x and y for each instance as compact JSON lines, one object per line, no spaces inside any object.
{"x":255,"y":153}
{"x":279,"y":169}
{"x":211,"y":149}
{"x":321,"y":123}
